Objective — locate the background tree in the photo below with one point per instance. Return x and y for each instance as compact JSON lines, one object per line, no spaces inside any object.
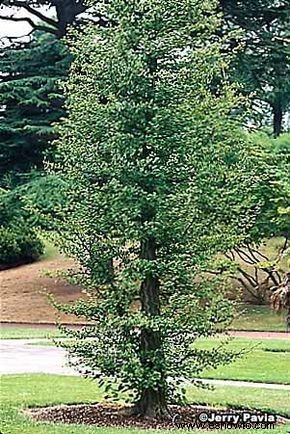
{"x":160,"y":179}
{"x":31,"y":102}
{"x":259,"y":268}
{"x":50,"y":16}
{"x":263,"y":65}
{"x":19,"y":243}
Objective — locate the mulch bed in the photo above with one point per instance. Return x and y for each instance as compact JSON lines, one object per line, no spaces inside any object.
{"x":112,"y":415}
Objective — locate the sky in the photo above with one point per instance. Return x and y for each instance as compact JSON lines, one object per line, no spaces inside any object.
{"x":9,"y":28}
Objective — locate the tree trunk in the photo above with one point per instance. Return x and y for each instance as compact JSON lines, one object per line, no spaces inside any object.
{"x":277,"y":119}
{"x":152,"y":403}
{"x":67,"y":11}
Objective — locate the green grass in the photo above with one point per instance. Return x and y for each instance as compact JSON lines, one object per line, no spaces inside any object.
{"x":10,"y":332}
{"x":20,"y":391}
{"x":266,"y":361}
{"x":259,"y":318}
{"x":50,"y":250}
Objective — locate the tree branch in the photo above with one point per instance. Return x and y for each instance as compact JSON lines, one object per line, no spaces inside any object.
{"x":21,"y":4}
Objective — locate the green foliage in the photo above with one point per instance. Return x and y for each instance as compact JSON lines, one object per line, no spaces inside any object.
{"x":259,"y":268}
{"x":30,"y":102}
{"x":263,"y":63}
{"x":274,"y":221}
{"x":42,"y":198}
{"x":18,"y":241}
{"x":160,"y":180}
{"x":18,"y":246}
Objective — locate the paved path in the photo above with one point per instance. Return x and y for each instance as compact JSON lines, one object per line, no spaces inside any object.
{"x":18,"y":356}
{"x":235,"y":383}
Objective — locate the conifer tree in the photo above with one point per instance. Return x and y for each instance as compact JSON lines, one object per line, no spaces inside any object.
{"x":31,"y":102}
{"x":263,"y":65}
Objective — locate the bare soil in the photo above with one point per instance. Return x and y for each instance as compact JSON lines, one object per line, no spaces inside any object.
{"x":116,"y":416}
{"x":24,"y":288}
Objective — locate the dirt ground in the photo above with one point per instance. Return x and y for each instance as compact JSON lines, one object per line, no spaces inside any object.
{"x":23,"y":289}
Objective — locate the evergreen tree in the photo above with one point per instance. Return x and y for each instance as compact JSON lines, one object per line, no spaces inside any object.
{"x":160,"y":179}
{"x":67,"y":13}
{"x":30,"y":102}
{"x":263,"y":65}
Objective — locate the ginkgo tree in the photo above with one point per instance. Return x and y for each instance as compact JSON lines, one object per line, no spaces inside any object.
{"x":160,"y":179}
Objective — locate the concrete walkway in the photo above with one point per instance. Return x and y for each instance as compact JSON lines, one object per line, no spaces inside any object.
{"x":18,"y":356}
{"x":235,"y":383}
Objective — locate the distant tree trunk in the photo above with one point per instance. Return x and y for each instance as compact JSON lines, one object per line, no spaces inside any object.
{"x":153,"y":402}
{"x":67,"y":11}
{"x":277,"y":118}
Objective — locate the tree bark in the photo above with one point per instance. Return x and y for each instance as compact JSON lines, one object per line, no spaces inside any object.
{"x":153,"y":401}
{"x":67,"y":11}
{"x":277,"y":119}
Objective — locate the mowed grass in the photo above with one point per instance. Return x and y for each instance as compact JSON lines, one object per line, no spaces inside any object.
{"x":21,"y":391}
{"x":259,"y":318}
{"x":255,"y":318}
{"x":265,"y":360}
{"x":27,"y":332}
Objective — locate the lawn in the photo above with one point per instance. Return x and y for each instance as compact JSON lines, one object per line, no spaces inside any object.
{"x":50,"y":250}
{"x":21,"y":391}
{"x":266,"y":361}
{"x":26,"y":332}
{"x":258,"y":364}
{"x":259,"y":318}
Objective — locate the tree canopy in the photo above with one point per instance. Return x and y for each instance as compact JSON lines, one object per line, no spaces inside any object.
{"x":160,"y":178}
{"x":263,"y":63}
{"x":31,"y":101}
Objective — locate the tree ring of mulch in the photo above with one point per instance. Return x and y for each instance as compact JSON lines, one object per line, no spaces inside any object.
{"x":107,"y":415}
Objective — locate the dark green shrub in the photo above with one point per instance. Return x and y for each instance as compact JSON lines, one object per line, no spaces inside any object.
{"x":18,"y":246}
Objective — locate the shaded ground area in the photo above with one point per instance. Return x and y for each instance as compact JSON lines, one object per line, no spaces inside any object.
{"x":23,"y":289}
{"x":113,"y":416}
{"x":259,"y":318}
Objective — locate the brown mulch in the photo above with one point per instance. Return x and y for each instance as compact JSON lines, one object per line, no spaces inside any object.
{"x":107,"y":415}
